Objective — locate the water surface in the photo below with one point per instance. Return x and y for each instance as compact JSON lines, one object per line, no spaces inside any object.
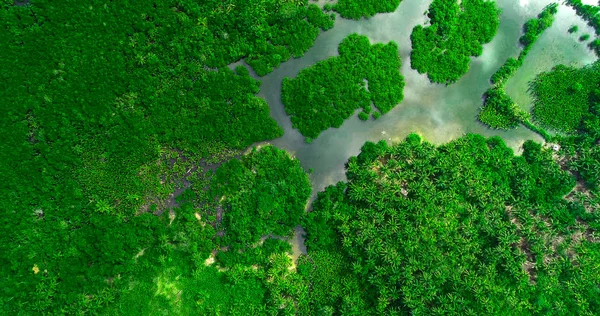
{"x":437,"y":112}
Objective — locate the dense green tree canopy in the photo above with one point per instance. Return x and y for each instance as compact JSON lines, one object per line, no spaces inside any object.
{"x":363,"y":75}
{"x":265,"y":192}
{"x":562,"y":96}
{"x":356,"y":9}
{"x":499,"y":111}
{"x":464,"y":228}
{"x":96,"y":97}
{"x":457,"y":31}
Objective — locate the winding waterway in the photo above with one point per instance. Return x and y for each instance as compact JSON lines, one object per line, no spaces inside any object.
{"x":437,"y":112}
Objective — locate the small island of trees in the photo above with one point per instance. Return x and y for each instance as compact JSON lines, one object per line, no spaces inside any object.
{"x":457,"y":31}
{"x":362,"y":76}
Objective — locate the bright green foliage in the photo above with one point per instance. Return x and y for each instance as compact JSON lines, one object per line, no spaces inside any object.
{"x":174,"y":278}
{"x":333,"y":286}
{"x":329,"y":92}
{"x":499,"y":111}
{"x":507,"y":70}
{"x":457,"y":32}
{"x":464,"y":228}
{"x":562,"y":96}
{"x":584,"y":37}
{"x":356,"y":9}
{"x":262,"y":193}
{"x":532,"y":30}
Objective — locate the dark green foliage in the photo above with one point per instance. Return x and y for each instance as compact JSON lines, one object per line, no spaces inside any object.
{"x":329,"y":92}
{"x":584,"y":37}
{"x":95,"y":97}
{"x":562,"y":96}
{"x":267,"y":33}
{"x":573,"y":29}
{"x":499,"y":111}
{"x":581,"y":150}
{"x":334,"y":289}
{"x":262,"y":193}
{"x":357,"y":9}
{"x":464,"y":228}
{"x":457,"y":32}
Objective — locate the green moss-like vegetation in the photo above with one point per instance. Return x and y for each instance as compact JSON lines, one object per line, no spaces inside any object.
{"x":561,"y":96}
{"x":357,"y":9}
{"x":329,"y":92}
{"x":465,"y":228}
{"x":456,"y":32}
{"x":584,"y":37}
{"x":499,"y":111}
{"x":263,"y":193}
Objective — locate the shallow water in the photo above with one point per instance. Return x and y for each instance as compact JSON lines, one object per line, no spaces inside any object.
{"x":439,"y":113}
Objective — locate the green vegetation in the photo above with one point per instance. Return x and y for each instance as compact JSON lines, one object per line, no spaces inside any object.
{"x":456,"y":32}
{"x":125,"y":190}
{"x":590,"y":14}
{"x":573,"y":29}
{"x":584,"y":37}
{"x":464,"y":228}
{"x":567,"y":100}
{"x":110,"y":108}
{"x":562,"y":96}
{"x":363,"y":75}
{"x":532,"y":29}
{"x":263,"y":193}
{"x":498,"y":110}
{"x":357,"y":9}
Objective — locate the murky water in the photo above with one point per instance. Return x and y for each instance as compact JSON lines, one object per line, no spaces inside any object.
{"x":439,"y":113}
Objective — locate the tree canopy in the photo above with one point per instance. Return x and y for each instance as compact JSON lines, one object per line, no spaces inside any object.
{"x":466,"y":227}
{"x":357,"y":9}
{"x":263,"y":193}
{"x":457,"y":31}
{"x":563,"y":95}
{"x":108,"y":109}
{"x":362,"y":76}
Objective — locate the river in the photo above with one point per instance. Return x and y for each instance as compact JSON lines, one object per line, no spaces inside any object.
{"x":437,"y":112}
